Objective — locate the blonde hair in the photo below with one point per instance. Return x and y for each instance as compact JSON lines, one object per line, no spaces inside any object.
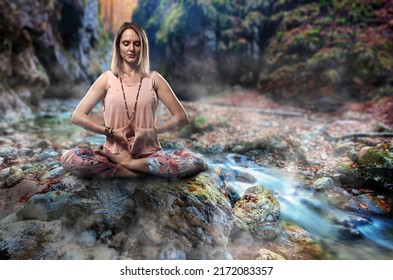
{"x":117,"y":61}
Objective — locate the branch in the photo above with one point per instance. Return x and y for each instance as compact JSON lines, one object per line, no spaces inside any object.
{"x":359,"y":135}
{"x":261,"y":111}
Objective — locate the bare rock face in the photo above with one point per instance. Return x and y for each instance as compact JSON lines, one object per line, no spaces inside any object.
{"x":31,"y":239}
{"x":143,"y":218}
{"x":39,"y":55}
{"x":192,"y":213}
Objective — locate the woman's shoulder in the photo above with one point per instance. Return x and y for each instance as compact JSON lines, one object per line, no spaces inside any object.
{"x":154,"y":76}
{"x":109,"y":74}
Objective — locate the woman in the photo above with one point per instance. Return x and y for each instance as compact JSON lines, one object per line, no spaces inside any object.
{"x":130,"y":95}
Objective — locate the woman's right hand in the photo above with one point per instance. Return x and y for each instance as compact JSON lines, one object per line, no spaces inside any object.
{"x":123,"y":134}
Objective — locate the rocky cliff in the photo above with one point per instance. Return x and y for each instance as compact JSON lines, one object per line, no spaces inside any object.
{"x":315,"y":52}
{"x":45,"y":50}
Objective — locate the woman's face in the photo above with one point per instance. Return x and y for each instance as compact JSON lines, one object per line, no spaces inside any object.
{"x":130,"y":46}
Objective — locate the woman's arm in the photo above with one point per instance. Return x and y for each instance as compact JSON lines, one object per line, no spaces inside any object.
{"x":167,"y":96}
{"x":95,"y":94}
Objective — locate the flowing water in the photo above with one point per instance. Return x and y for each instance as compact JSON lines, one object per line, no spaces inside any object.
{"x":344,"y":234}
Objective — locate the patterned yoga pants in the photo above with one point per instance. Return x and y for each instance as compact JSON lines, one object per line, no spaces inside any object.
{"x":84,"y":162}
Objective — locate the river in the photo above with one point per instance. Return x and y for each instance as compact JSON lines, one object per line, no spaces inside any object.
{"x":344,"y":234}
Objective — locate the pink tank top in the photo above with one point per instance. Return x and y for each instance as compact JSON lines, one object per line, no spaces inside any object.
{"x":115,"y":114}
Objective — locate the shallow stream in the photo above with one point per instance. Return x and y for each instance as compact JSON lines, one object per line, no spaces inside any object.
{"x":344,"y":234}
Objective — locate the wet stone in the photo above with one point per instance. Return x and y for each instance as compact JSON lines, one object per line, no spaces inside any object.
{"x":7,"y":151}
{"x":4,"y":173}
{"x":42,"y":156}
{"x":31,"y":239}
{"x":265,"y":254}
{"x":342,"y":149}
{"x":323,"y":183}
{"x":258,"y":212}
{"x":57,"y":172}
{"x":45,"y":207}
{"x":229,"y":192}
{"x":25,"y":152}
{"x":170,"y":252}
{"x":53,"y":154}
{"x":16,"y":175}
{"x":52,"y":165}
{"x":43,"y":144}
{"x":245,"y":178}
{"x":367,"y":203}
{"x":37,"y":151}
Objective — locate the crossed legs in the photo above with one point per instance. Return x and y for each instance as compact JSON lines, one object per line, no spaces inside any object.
{"x":102,"y":164}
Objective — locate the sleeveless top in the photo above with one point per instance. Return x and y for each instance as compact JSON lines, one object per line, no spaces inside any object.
{"x":115,"y":114}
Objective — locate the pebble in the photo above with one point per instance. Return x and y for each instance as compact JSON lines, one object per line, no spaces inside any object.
{"x":53,"y":154}
{"x":16,"y":176}
{"x":215,"y":148}
{"x":25,"y":152}
{"x":7,"y":151}
{"x":323,"y":183}
{"x":43,"y":144}
{"x":54,"y":173}
{"x":53,"y":165}
{"x":42,"y":156}
{"x":37,"y":151}
{"x":4,"y":173}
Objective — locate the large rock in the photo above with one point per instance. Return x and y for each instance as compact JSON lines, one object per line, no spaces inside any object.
{"x":83,"y":203}
{"x":258,"y":212}
{"x":294,"y":243}
{"x":185,"y":213}
{"x":30,"y":240}
{"x":376,"y":168}
{"x":45,"y":49}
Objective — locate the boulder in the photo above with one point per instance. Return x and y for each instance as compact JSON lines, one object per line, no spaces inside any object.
{"x":258,"y":212}
{"x":376,"y":168}
{"x":185,"y":213}
{"x":32,"y":239}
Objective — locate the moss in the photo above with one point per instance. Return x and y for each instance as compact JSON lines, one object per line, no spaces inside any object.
{"x":205,"y":187}
{"x":170,"y":24}
{"x":371,"y":157}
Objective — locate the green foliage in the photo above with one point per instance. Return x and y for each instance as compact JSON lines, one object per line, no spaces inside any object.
{"x":356,"y":11}
{"x":332,"y":40}
{"x":171,"y":23}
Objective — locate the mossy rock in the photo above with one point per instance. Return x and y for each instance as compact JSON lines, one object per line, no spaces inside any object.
{"x":343,"y":149}
{"x":187,"y":213}
{"x":349,"y":174}
{"x":258,"y":212}
{"x":376,"y":168}
{"x":371,"y":157}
